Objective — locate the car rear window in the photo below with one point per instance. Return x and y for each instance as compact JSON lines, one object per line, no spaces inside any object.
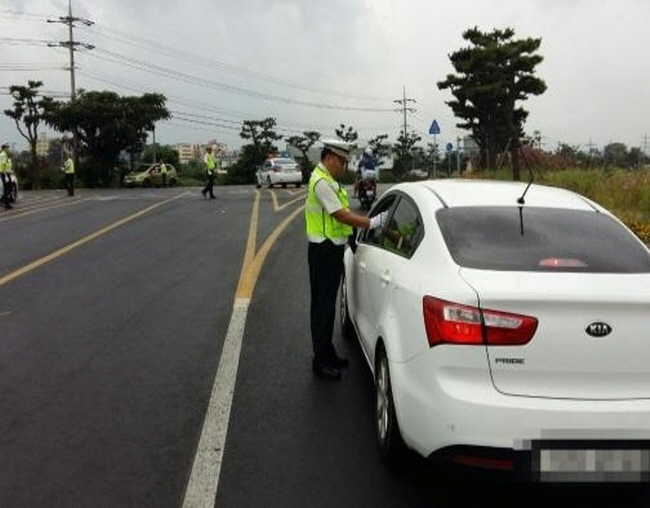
{"x":284,"y":162}
{"x":540,"y":239}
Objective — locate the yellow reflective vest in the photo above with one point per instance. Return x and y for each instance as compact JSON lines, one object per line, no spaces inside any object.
{"x":68,"y":166}
{"x":318,"y":222}
{"x":5,"y":162}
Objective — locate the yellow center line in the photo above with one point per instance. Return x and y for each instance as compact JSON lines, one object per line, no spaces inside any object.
{"x":253,"y":261}
{"x":64,"y":250}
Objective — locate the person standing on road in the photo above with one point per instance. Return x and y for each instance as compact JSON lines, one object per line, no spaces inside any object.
{"x":68,"y":170}
{"x":5,"y":172}
{"x":329,"y":224}
{"x":209,"y":162}
{"x":163,"y":173}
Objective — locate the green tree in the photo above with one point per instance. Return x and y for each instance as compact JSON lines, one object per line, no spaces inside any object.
{"x":616,"y":154}
{"x":347,"y":134}
{"x":262,"y":137}
{"x":106,"y":124}
{"x":493,"y":75}
{"x":380,"y":148}
{"x":28,"y":112}
{"x":403,"y":150}
{"x":166,"y":153}
{"x":304,"y":143}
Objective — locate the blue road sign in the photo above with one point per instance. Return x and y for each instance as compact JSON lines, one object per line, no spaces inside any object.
{"x":449,"y":147}
{"x":435,"y":128}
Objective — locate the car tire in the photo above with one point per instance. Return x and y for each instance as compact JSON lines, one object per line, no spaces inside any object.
{"x":347,"y":327}
{"x":146,"y":183}
{"x":172,"y":182}
{"x":13,"y":195}
{"x":389,"y":439}
{"x":298,"y":185}
{"x":269,"y":183}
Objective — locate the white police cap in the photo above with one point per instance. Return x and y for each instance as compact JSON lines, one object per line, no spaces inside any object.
{"x":340,"y":148}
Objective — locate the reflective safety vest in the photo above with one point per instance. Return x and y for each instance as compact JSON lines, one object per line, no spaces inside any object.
{"x":68,"y":166}
{"x":163,"y":169}
{"x":5,"y":162}
{"x":319,"y":223}
{"x":208,"y":159}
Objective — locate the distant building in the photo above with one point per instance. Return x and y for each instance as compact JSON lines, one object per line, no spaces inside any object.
{"x":188,"y":152}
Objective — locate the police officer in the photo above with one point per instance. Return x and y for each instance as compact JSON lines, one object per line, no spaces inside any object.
{"x":68,"y":170}
{"x":5,"y":171}
{"x":329,"y":223}
{"x":209,"y":163}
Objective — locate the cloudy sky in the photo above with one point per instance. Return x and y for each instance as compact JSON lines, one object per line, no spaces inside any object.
{"x":316,"y":64}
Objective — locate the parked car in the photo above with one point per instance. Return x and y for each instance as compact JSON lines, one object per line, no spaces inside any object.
{"x":150,"y":176}
{"x":279,"y":171}
{"x":13,"y":191}
{"x":507,"y":327}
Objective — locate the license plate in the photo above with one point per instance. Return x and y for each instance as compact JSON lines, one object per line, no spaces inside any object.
{"x":575,"y":465}
{"x":370,"y":192}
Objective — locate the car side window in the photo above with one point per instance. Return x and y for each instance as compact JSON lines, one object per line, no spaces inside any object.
{"x":403,"y":230}
{"x":371,"y":236}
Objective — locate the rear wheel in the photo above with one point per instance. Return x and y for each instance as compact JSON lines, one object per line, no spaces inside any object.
{"x":146,"y":183}
{"x":269,"y":183}
{"x":389,"y":439}
{"x":13,"y":195}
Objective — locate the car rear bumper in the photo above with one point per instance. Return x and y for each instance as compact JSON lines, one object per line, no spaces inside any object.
{"x":458,"y":415}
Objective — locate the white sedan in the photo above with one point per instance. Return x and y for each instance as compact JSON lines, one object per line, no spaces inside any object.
{"x":279,"y":171}
{"x":507,"y":327}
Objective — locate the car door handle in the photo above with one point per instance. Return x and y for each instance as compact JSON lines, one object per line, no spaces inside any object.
{"x":385,"y":278}
{"x":362,"y":266}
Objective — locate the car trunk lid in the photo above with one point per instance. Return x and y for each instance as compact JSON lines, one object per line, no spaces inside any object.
{"x":592,"y":339}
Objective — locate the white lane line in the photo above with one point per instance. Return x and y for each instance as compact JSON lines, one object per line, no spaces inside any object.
{"x":204,"y":479}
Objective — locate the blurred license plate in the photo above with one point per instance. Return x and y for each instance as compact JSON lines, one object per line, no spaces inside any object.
{"x":557,"y":465}
{"x":370,"y":192}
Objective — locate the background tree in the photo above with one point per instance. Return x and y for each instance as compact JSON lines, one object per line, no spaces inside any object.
{"x":106,"y":124}
{"x":28,"y":113}
{"x":347,"y":134}
{"x":494,"y":73}
{"x":380,"y":148}
{"x":304,"y":144}
{"x":403,"y":150}
{"x":167,"y":153}
{"x":262,"y":137}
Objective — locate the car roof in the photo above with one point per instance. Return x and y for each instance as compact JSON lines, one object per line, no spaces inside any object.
{"x":471,"y":192}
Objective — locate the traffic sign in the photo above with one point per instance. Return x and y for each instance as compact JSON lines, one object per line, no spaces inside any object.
{"x":435,"y":128}
{"x":449,"y":147}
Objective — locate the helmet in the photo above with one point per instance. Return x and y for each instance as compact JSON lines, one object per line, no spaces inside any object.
{"x":5,"y":145}
{"x":368,"y":151}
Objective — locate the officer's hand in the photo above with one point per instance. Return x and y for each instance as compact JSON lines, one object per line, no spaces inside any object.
{"x":378,"y":221}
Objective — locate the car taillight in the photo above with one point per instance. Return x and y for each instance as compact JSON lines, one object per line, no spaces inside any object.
{"x":453,"y":323}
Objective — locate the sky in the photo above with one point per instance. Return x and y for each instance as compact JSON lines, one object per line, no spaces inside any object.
{"x":317,"y":64}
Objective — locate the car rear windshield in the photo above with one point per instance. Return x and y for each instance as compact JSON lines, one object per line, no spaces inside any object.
{"x":540,"y":239}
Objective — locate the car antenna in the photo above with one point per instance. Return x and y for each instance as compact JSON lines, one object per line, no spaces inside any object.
{"x":520,"y":199}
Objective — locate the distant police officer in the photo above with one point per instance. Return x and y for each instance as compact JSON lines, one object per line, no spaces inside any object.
{"x":5,"y":171}
{"x":210,"y":164}
{"x":329,"y":223}
{"x":68,"y":170}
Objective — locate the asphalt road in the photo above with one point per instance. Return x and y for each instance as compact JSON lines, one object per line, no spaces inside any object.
{"x":115,"y":307}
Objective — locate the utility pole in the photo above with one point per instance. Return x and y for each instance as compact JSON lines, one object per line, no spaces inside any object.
{"x":404,"y":103}
{"x":72,"y":46}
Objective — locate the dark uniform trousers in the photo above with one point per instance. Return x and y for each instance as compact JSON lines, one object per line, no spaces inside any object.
{"x":325,"y":269}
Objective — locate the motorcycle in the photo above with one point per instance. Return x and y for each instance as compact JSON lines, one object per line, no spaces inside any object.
{"x":367,"y":192}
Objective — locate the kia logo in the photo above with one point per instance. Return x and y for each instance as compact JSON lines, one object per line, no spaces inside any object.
{"x":598,"y":329}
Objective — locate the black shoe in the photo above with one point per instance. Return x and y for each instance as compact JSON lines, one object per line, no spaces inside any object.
{"x":341,"y":363}
{"x":213,"y":197}
{"x":329,"y":372}
{"x":203,"y":192}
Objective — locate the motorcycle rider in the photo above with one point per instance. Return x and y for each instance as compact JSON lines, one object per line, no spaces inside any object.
{"x":367,"y":168}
